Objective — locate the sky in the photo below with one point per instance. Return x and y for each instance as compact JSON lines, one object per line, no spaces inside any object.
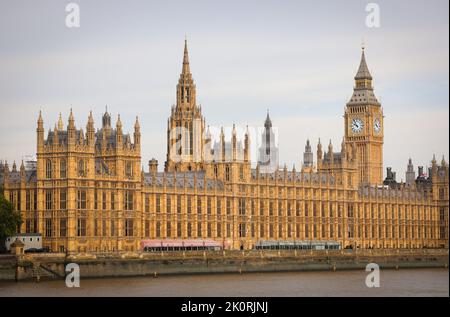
{"x":296,"y":59}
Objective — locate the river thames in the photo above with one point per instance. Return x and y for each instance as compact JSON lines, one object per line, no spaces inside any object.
{"x":404,"y":282}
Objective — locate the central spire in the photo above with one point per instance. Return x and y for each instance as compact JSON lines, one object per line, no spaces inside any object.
{"x":186,"y":86}
{"x":185,"y":69}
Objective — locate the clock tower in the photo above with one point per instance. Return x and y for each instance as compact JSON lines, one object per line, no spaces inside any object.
{"x":364,"y":126}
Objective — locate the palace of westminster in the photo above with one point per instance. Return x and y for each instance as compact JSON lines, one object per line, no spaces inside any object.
{"x":87,"y":192}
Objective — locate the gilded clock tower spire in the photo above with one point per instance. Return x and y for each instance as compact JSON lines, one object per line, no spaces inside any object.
{"x":364,"y":126}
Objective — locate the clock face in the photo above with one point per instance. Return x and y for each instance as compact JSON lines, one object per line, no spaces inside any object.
{"x":357,"y":125}
{"x":377,"y":125}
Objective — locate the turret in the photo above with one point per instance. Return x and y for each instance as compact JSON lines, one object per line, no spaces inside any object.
{"x":234,"y":143}
{"x":246,"y":146}
{"x":22,"y":172}
{"x":308,"y":158}
{"x":137,"y":133}
{"x":410,"y":175}
{"x":40,"y":132}
{"x":5,"y":173}
{"x":343,"y":150}
{"x":222,"y":144}
{"x":90,"y":130}
{"x":119,"y":133}
{"x":330,"y":153}
{"x":71,"y":129}
{"x":60,"y":123}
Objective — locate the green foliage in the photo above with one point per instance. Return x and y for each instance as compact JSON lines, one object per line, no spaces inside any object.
{"x":10,"y":220}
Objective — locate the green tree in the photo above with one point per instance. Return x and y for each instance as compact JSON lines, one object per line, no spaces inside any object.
{"x":10,"y":220}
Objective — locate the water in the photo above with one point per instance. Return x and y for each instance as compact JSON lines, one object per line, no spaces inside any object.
{"x":405,"y":282}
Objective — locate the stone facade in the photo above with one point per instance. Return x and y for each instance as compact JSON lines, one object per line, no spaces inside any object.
{"x":89,"y":194}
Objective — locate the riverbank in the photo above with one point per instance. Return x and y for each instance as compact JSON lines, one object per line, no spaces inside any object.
{"x":52,"y":265}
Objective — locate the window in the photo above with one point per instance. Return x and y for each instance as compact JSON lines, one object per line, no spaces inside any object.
{"x":95,"y":227}
{"x":48,"y":169}
{"x":48,"y":227}
{"x":219,"y":230}
{"x":242,"y":231}
{"x":95,"y":200}
{"x":62,"y":199}
{"x":199,"y":205}
{"x":179,"y":204}
{"x":189,"y":233}
{"x":129,"y":169}
{"x":113,"y":228}
{"x":179,"y":229}
{"x":241,"y":206}
{"x":104,"y":200}
{"x":441,"y":193}
{"x":168,"y":204}
{"x":81,"y":199}
{"x":128,"y":200}
{"x":199,"y":229}
{"x":219,"y":206}
{"x":62,"y":227}
{"x":104,"y":228}
{"x":147,"y":203}
{"x":158,"y":203}
{"x":168,"y":229}
{"x":62,"y":169}
{"x":113,"y":201}
{"x":227,"y":173}
{"x":28,"y":200}
{"x":208,"y":206}
{"x":48,"y":199}
{"x":147,"y":228}
{"x":158,"y":229}
{"x":128,"y":227}
{"x":81,"y":227}
{"x":189,"y":204}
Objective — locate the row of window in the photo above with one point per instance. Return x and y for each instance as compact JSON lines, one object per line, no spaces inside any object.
{"x":82,"y":168}
{"x":279,"y":231}
{"x":82,"y":200}
{"x":100,"y":228}
{"x":323,"y":209}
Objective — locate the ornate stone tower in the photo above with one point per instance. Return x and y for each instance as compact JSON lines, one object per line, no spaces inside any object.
{"x":185,"y":126}
{"x":410,"y":174}
{"x":308,"y":158}
{"x":364,"y":126}
{"x":268,"y":151}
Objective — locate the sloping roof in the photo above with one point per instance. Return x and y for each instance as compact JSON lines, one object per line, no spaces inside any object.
{"x":363,"y":70}
{"x":181,"y":177}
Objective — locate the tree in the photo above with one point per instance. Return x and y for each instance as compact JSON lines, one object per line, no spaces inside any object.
{"x":10,"y":220}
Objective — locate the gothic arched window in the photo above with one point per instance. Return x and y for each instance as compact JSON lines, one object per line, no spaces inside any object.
{"x":48,"y":169}
{"x":227,"y":173}
{"x":129,"y":169}
{"x":62,"y":169}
